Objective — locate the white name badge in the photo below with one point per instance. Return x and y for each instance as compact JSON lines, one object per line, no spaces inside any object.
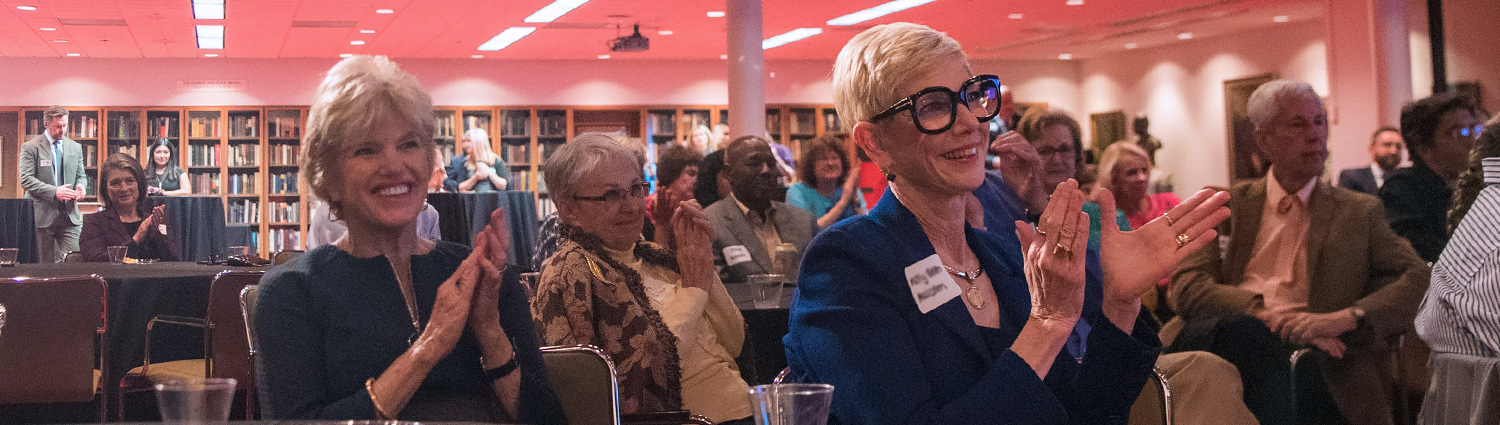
{"x":736,"y":254}
{"x":44,"y":163}
{"x":930,"y":285}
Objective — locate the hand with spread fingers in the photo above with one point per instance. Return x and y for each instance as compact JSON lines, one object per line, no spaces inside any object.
{"x":695,"y":238}
{"x":1054,"y":256}
{"x":1021,"y":168}
{"x":1134,"y":261}
{"x":450,"y":311}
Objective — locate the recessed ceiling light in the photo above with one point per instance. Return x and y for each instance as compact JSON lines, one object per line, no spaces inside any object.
{"x":384,"y":11}
{"x":366,"y":31}
{"x":48,"y":29}
{"x":346,"y":55}
{"x":59,"y":41}
{"x":1075,"y":3}
{"x":1130,"y":45}
{"x":210,"y":55}
{"x":74,"y":55}
{"x":716,"y":14}
{"x":603,"y":56}
{"x":505,"y":38}
{"x":477,"y":56}
{"x":210,"y":36}
{"x":1015,"y":16}
{"x":208,"y":9}
{"x":1185,"y":36}
{"x":553,"y":11}
{"x":1065,"y":56}
{"x":664,"y":32}
{"x":789,"y":36}
{"x":356,"y":42}
{"x":1281,"y":18}
{"x":877,"y":11}
{"x":26,"y":7}
{"x":723,"y":56}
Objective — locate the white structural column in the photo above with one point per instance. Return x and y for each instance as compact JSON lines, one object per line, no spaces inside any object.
{"x":1369,"y":74}
{"x":747,"y":68}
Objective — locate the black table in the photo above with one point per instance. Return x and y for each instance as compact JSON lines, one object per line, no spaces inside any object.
{"x":18,"y":228}
{"x":135,"y":294}
{"x":463,"y":215}
{"x":199,"y":225}
{"x":764,"y":354}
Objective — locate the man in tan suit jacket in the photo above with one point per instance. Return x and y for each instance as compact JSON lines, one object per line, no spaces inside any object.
{"x":1347,"y":286}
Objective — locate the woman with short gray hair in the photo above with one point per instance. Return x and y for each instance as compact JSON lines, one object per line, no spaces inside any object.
{"x":660,"y":313}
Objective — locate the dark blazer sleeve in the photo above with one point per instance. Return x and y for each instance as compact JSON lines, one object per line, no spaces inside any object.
{"x":97,"y":236}
{"x":289,"y":361}
{"x":456,"y":173}
{"x":1407,"y":206}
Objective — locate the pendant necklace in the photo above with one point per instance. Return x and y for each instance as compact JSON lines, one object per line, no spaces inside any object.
{"x":972,"y":295}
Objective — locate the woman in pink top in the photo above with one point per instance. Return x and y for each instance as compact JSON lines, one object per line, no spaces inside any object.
{"x":1125,"y":169}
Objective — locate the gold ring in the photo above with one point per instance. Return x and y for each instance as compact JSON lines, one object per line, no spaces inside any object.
{"x":1040,"y":232}
{"x":1169,"y":219}
{"x":1182,"y":240}
{"x":1059,"y":249}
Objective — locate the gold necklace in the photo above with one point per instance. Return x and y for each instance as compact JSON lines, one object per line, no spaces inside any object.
{"x":408,"y":294}
{"x":973,"y":295}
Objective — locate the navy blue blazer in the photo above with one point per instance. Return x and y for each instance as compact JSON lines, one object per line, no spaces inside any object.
{"x":854,"y":325}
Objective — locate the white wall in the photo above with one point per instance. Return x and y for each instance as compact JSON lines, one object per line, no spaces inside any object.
{"x":1181,"y":88}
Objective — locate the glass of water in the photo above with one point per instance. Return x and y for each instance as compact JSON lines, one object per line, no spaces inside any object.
{"x":195,"y":400}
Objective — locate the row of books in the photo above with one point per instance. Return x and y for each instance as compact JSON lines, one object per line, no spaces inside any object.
{"x":515,"y":124}
{"x":243,"y":183}
{"x":130,"y":149}
{"x":552,"y":125}
{"x":203,"y":127}
{"x":90,"y":155}
{"x":79,"y":126}
{"x":444,"y":127}
{"x":282,"y":239}
{"x":661,"y":124}
{"x":515,"y":153}
{"x":284,"y":183}
{"x":521,"y":180}
{"x":285,"y":212}
{"x":284,"y":154}
{"x":241,"y":126}
{"x":476,"y":121}
{"x":803,"y":123}
{"x":243,"y":154}
{"x":125,"y":126}
{"x":243,"y":211}
{"x":283,"y":127}
{"x":162,"y":127}
{"x":203,"y":155}
{"x":205,"y":183}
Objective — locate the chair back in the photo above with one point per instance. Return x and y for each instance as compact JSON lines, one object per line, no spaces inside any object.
{"x":229,"y":356}
{"x":51,"y":328}
{"x":2,"y":319}
{"x":585,"y":382}
{"x":1154,"y":405}
{"x":284,"y":256}
{"x":248,"y":297}
{"x":74,"y":257}
{"x":1465,"y":389}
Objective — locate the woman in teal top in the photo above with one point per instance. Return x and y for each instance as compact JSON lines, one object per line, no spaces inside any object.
{"x":826,"y":188}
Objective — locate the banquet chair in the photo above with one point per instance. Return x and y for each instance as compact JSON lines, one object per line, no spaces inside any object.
{"x":226,"y":351}
{"x":1154,"y":405}
{"x":584,"y":379}
{"x":248,"y":297}
{"x":1464,"y":389}
{"x":52,"y":328}
{"x":284,"y":256}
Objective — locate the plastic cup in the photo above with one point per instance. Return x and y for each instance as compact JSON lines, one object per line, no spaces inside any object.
{"x":195,"y":401}
{"x":765,"y":290}
{"x":791,"y":404}
{"x":8,"y":256}
{"x":117,"y":253}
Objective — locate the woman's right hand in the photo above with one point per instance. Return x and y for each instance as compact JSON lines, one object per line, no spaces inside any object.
{"x":450,"y":312}
{"x":1054,"y":257}
{"x":695,"y":238}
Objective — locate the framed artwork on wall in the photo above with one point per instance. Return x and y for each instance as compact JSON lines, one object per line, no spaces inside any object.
{"x":1107,"y":127}
{"x":1245,"y":159}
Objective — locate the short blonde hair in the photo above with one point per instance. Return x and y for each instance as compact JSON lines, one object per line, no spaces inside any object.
{"x":872,"y":66}
{"x":1111,"y":159}
{"x":357,"y":93}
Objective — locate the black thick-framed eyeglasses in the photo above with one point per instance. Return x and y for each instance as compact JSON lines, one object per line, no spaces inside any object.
{"x":934,"y":109}
{"x":637,"y":190}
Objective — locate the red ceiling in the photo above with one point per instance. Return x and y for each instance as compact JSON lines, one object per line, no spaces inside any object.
{"x":454,"y":28}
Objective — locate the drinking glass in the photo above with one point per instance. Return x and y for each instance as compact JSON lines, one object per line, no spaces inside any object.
{"x":8,"y":256}
{"x":765,"y":289}
{"x":791,"y":404}
{"x":195,"y":400}
{"x":237,"y":250}
{"x":117,"y":253}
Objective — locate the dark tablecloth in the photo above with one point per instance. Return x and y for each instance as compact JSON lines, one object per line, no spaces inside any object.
{"x":199,"y":224}
{"x":18,"y":228}
{"x":463,"y":215}
{"x":764,"y":354}
{"x":136,"y":293}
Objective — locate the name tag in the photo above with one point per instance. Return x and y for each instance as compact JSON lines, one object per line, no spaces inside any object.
{"x":930,"y":285}
{"x":44,"y":163}
{"x":736,"y":254}
{"x":161,"y":228}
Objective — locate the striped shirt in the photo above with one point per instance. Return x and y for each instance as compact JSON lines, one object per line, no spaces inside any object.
{"x":1461,"y":312}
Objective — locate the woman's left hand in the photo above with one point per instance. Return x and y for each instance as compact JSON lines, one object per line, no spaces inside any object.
{"x":695,"y":239}
{"x":1134,"y":261}
{"x":148,"y":225}
{"x":492,"y":247}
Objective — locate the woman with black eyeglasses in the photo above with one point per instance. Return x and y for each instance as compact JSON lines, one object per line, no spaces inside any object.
{"x":914,"y":316}
{"x":660,"y":312}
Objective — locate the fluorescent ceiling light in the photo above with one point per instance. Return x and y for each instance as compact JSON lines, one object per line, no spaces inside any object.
{"x":505,"y":38}
{"x":1075,"y":3}
{"x":384,"y":11}
{"x":1130,"y":45}
{"x":208,"y":9}
{"x":877,"y":11}
{"x":716,"y":14}
{"x":346,"y":55}
{"x":1065,"y":56}
{"x":210,"y":55}
{"x":1281,"y":18}
{"x":1015,"y":16}
{"x":356,"y":42}
{"x":553,"y":11}
{"x":26,"y":7}
{"x":664,"y":32}
{"x":48,"y":29}
{"x":74,"y":54}
{"x":789,"y":36}
{"x":477,"y":56}
{"x":603,"y":56}
{"x":59,"y":41}
{"x":210,"y":36}
{"x":366,"y":31}
{"x":1185,"y":36}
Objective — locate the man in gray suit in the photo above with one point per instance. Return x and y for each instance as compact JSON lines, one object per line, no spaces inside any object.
{"x":53,"y":176}
{"x":749,"y":224}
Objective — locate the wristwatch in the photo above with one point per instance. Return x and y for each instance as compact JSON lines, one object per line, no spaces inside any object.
{"x":1359,"y":315}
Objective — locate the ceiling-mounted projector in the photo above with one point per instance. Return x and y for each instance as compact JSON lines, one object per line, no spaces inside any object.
{"x":634,"y":42}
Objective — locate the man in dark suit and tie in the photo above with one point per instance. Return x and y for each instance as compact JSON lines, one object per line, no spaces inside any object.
{"x":52,"y":175}
{"x":1385,"y":154}
{"x":749,"y":224}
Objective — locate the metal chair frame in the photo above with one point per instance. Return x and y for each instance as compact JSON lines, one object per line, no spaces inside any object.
{"x":102,"y":361}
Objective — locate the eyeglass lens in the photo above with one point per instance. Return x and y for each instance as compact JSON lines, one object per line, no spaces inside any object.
{"x":1469,"y":132}
{"x":935,"y":109}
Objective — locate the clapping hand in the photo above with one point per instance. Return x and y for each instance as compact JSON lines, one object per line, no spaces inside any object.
{"x":64,"y":193}
{"x":492,"y":249}
{"x":694,"y":244}
{"x":1054,"y":256}
{"x":150,"y":223}
{"x":1021,"y":167}
{"x":450,"y":311}
{"x":1134,"y":261}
